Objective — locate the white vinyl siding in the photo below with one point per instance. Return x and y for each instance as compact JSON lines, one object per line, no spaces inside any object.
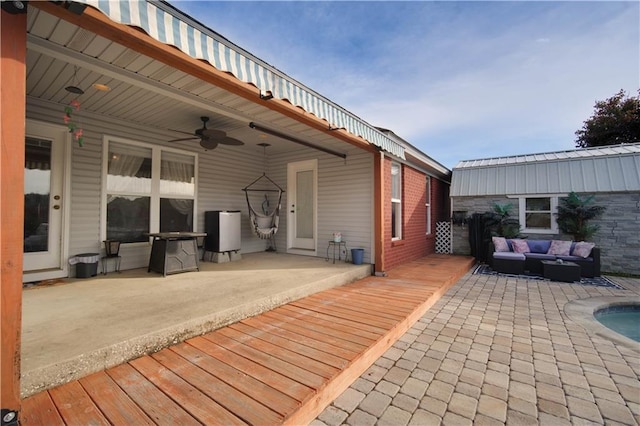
{"x":345,"y":188}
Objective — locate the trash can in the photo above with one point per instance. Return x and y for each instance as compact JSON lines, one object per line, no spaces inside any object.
{"x":357,"y":254}
{"x":86,"y":264}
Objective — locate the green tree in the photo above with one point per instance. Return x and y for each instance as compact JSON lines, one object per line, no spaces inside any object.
{"x":614,"y":121}
{"x":574,"y":214}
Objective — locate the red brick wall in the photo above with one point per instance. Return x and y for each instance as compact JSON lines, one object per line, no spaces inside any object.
{"x":415,"y":243}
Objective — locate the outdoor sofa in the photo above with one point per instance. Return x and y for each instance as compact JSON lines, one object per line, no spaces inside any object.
{"x":515,"y":256}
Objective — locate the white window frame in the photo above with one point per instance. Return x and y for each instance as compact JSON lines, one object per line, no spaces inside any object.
{"x":522,"y":204}
{"x":155,"y":195}
{"x":428,"y":203}
{"x":396,"y":203}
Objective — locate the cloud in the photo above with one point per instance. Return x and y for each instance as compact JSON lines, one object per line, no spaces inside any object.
{"x":473,"y":79}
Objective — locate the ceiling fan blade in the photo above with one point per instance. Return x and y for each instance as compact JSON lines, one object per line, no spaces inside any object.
{"x":180,"y":131}
{"x":211,"y":133}
{"x":230,"y":141}
{"x":208,"y":143}
{"x":183,"y":139}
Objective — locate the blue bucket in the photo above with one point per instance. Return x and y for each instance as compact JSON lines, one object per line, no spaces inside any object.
{"x":357,"y":254}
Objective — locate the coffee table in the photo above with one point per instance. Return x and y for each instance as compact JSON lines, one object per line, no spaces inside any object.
{"x":566,"y":271}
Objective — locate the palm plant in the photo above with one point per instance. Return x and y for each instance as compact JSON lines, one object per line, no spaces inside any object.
{"x":499,"y":222}
{"x":574,"y":214}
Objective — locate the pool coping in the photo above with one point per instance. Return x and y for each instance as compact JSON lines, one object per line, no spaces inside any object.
{"x":582,"y":312}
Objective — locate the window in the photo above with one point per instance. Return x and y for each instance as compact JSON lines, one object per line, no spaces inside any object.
{"x":396,"y":202}
{"x":147,"y":189}
{"x":428,"y":204}
{"x":536,"y":214}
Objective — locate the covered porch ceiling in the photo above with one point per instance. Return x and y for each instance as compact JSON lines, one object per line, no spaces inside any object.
{"x":145,"y":91}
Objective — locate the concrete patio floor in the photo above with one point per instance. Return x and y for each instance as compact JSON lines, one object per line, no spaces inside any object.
{"x":503,"y":351}
{"x":79,"y":326}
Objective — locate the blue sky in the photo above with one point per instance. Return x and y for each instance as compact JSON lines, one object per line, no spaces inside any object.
{"x":458,"y":80}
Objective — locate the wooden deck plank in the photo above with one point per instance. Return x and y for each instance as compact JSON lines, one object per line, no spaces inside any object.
{"x":371,"y":329}
{"x":269,"y":377}
{"x":268,"y":325}
{"x":358,"y":312}
{"x":114,"y":403}
{"x":327,"y":321}
{"x":265,"y":394}
{"x":310,"y":324}
{"x":398,"y":298}
{"x":296,"y":327}
{"x":376,"y":304}
{"x":355,"y":303}
{"x":199,"y":405}
{"x":39,"y":410}
{"x":227,"y":396}
{"x":162,"y":409}
{"x":270,"y":361}
{"x":282,"y":352}
{"x":75,"y":406}
{"x":293,"y":346}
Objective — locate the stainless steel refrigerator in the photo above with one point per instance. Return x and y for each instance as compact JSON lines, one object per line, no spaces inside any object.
{"x":223,"y":230}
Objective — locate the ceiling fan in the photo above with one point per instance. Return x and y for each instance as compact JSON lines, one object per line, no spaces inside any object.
{"x":209,"y":138}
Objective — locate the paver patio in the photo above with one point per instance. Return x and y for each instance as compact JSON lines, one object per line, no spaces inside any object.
{"x":495,"y":351}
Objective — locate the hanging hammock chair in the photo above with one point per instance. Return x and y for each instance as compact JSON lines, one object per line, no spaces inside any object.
{"x":265,"y":223}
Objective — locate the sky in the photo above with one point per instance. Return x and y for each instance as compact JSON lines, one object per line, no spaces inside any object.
{"x":457,"y":80}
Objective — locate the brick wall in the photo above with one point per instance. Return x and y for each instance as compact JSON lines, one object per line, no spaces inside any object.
{"x":415,"y":243}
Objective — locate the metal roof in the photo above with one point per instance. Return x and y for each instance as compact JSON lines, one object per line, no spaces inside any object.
{"x":614,"y":168}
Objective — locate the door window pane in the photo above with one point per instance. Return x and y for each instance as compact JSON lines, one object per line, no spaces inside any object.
{"x":37,"y":183}
{"x":304,"y":208}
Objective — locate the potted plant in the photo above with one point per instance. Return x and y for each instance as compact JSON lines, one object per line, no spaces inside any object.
{"x":499,"y":222}
{"x":574,"y":214}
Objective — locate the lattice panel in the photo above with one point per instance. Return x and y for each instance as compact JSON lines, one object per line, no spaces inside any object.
{"x":444,"y":237}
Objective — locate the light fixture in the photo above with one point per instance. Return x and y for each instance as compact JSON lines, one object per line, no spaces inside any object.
{"x":73,"y":88}
{"x":101,"y":87}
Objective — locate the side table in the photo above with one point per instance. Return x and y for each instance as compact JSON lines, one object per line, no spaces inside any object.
{"x":338,"y":245}
{"x":566,"y":271}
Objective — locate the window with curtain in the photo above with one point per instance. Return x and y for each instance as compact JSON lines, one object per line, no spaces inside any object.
{"x":148,"y":189}
{"x":396,"y":201}
{"x":177,"y":191}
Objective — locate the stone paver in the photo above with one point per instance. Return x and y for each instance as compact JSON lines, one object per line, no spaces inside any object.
{"x":499,"y":351}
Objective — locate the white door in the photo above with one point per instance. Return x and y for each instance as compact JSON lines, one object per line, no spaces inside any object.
{"x":44,"y":203}
{"x":302,"y":206}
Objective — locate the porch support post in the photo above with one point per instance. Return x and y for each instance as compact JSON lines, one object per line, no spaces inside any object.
{"x":13,"y":47}
{"x":378,"y":208}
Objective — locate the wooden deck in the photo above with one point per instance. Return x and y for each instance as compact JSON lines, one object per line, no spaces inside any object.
{"x":281,"y":367}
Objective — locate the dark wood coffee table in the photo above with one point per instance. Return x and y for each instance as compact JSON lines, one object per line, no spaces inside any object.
{"x":566,"y":271}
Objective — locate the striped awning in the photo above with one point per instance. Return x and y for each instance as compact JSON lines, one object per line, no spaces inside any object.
{"x":161,"y":23}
